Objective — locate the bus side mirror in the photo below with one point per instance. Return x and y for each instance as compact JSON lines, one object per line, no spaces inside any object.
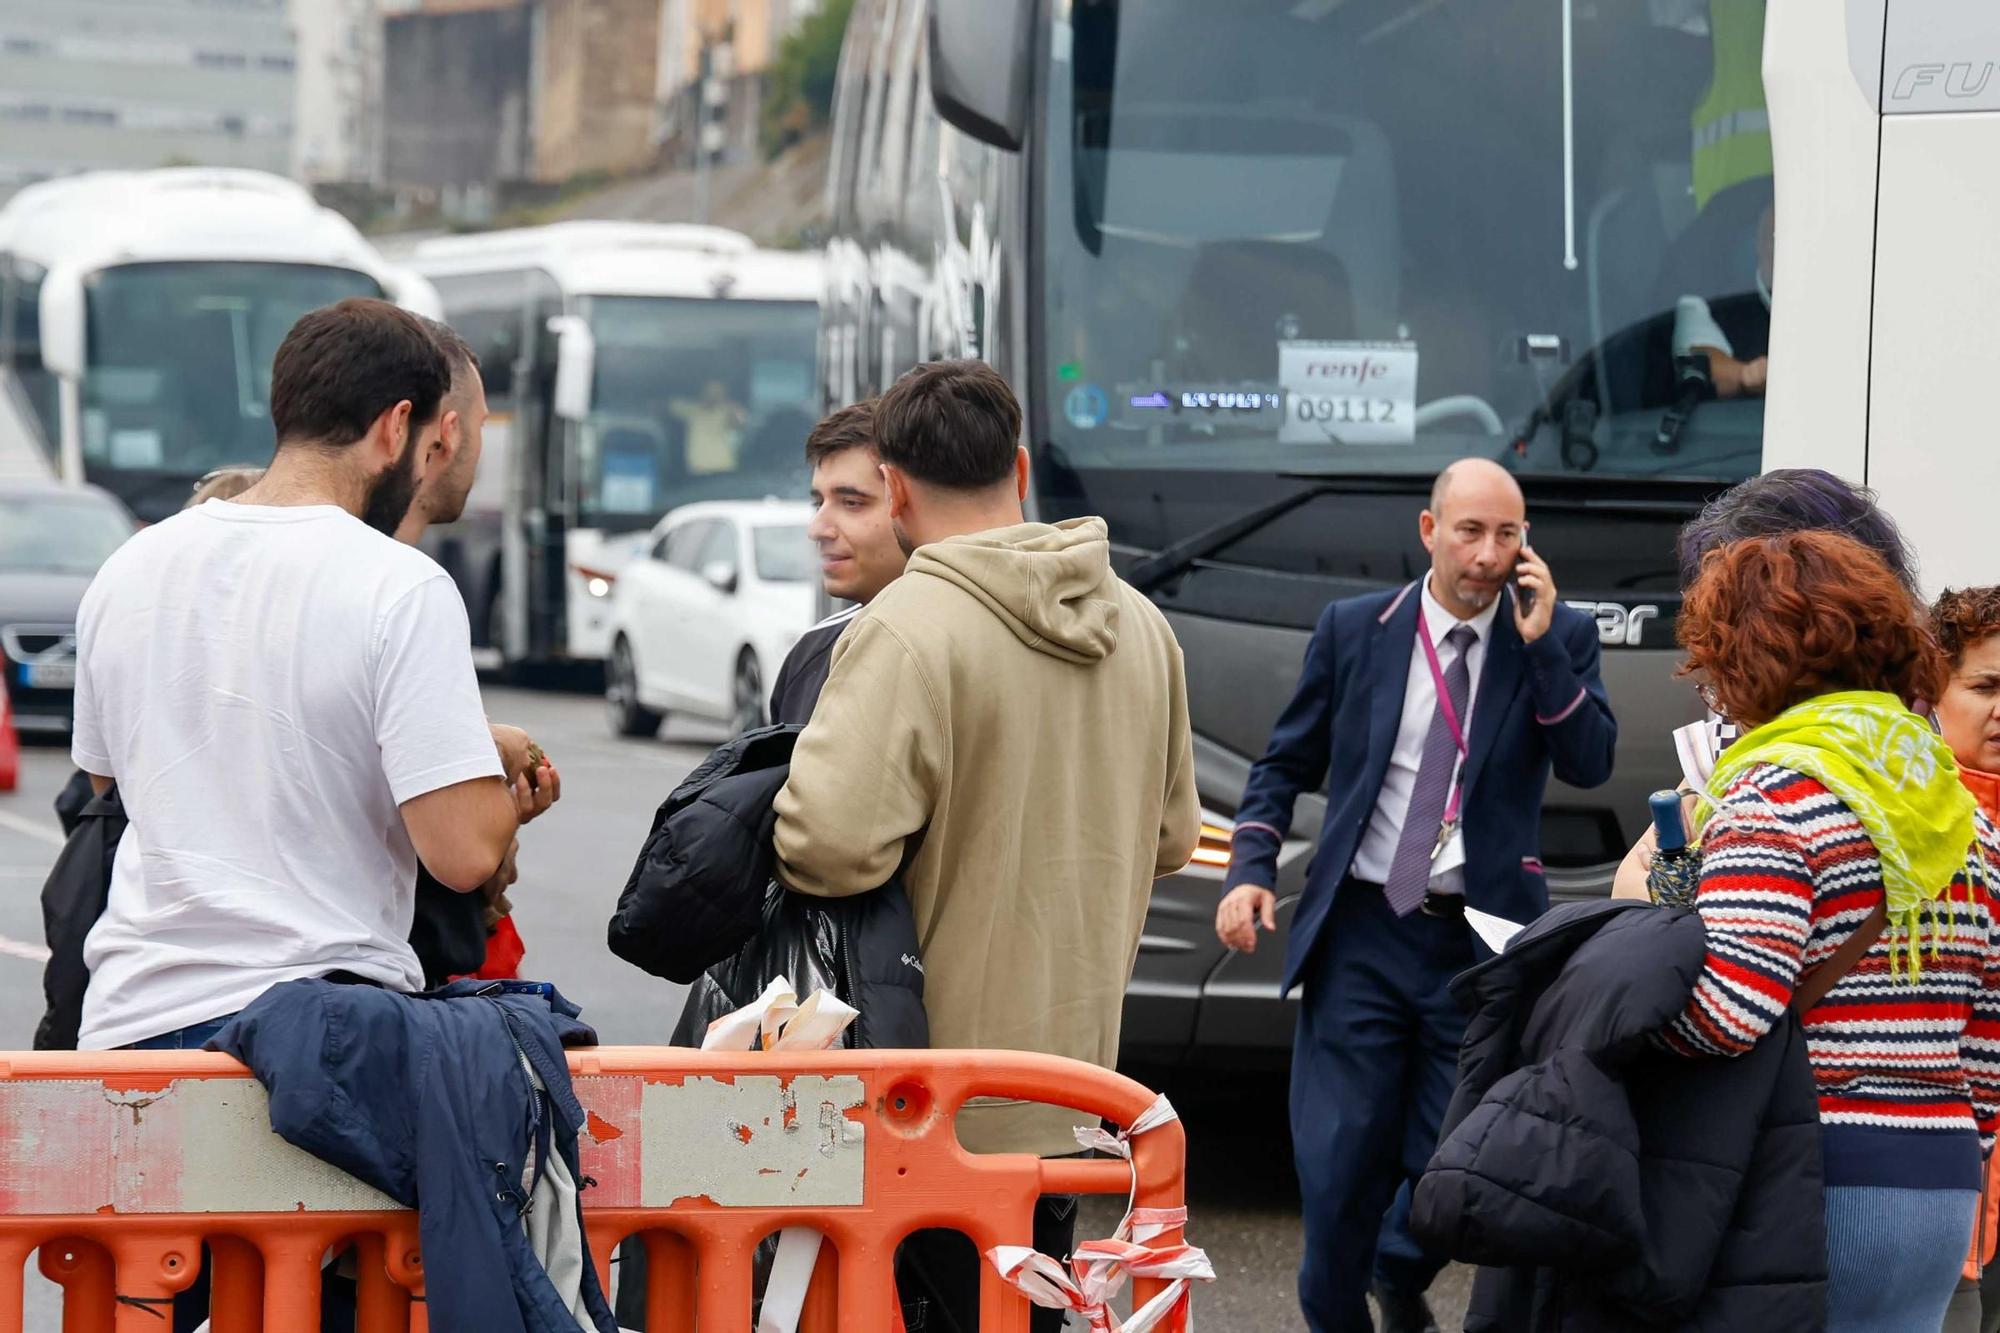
{"x":62,"y":306}
{"x":576,"y":366}
{"x":980,"y":52}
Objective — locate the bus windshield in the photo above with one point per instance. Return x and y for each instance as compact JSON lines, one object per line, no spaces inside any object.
{"x":694,"y":400}
{"x":178,"y":373}
{"x":1375,"y":236}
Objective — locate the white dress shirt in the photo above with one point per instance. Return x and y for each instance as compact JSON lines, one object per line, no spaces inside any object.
{"x":1385,"y":827}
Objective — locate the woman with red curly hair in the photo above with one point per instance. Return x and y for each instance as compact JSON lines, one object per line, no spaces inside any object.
{"x":1841,"y":839}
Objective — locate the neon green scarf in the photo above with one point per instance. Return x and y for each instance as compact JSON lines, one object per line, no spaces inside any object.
{"x":1889,"y":768}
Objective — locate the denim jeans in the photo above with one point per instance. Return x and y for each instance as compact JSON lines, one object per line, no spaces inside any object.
{"x":190,"y":1038}
{"x":1893,"y":1256}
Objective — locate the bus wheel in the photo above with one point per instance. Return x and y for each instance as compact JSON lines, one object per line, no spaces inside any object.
{"x":621,"y":691}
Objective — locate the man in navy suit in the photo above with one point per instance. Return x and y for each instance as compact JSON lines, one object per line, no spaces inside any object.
{"x":1437,"y":710}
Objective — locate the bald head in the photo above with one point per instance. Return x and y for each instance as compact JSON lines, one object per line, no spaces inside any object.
{"x":1474,"y":531}
{"x":1477,"y":478}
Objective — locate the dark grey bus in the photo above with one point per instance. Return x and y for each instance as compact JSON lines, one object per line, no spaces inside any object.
{"x":1259,"y":270}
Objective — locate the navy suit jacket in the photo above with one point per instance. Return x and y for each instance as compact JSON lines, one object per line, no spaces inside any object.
{"x":1539,"y":706}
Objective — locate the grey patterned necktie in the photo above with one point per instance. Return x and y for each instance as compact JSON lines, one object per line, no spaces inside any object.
{"x":1410,"y":872}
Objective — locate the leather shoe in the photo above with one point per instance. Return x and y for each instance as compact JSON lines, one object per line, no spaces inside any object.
{"x":1403,"y":1311}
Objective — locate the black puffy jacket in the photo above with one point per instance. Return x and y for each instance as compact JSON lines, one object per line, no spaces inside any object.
{"x":73,"y":897}
{"x":1604,"y":1183}
{"x":702,"y":906}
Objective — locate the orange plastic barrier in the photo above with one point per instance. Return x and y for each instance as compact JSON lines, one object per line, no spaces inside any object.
{"x":117,"y":1167}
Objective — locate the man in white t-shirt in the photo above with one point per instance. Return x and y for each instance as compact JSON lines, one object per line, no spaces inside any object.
{"x":285,"y":696}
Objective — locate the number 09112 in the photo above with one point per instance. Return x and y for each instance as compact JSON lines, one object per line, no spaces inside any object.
{"x":1343,"y":410}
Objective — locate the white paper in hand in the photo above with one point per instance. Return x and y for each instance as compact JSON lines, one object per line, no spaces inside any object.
{"x":1494,"y":931}
{"x":762,"y":1018}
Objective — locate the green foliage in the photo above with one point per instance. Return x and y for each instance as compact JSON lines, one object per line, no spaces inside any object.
{"x":798,"y":96}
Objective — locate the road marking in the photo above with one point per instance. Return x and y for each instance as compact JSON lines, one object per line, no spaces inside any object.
{"x":32,"y":829}
{"x":33,"y":953}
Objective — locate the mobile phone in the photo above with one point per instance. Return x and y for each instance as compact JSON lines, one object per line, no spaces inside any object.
{"x":1523,"y":597}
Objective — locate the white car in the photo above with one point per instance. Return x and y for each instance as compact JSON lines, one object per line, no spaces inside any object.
{"x":702,"y":618}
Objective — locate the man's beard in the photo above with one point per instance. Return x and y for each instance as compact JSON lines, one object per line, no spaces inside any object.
{"x":446,"y":499}
{"x":909,"y":548}
{"x":389,"y":495}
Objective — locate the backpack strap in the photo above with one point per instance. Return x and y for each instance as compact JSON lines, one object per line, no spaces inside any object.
{"x":1814,"y":985}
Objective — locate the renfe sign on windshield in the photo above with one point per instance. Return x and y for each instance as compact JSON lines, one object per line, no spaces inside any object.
{"x":1348,"y":392}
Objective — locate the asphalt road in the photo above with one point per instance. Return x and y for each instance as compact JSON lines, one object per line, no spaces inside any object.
{"x":1243,"y":1201}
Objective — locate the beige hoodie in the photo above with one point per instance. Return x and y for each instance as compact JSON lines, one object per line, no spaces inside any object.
{"x":1014,"y":717}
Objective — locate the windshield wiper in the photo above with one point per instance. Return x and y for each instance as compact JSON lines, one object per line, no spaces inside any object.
{"x":1669,"y":498}
{"x":1165,"y":564}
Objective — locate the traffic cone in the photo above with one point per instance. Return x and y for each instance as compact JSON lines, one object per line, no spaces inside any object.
{"x":10,"y":744}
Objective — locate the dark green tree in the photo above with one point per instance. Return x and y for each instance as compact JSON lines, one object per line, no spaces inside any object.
{"x":798,"y":96}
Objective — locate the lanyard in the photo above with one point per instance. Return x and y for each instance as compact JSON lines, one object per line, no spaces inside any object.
{"x":1453,"y":803}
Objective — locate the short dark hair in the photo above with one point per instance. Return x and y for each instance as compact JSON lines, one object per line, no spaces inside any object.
{"x":1795,"y":499}
{"x":457,"y":351}
{"x":953,"y":424}
{"x":344,"y":365}
{"x":851,"y":427}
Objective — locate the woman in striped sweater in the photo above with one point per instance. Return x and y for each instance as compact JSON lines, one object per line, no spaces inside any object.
{"x":1838,"y":805}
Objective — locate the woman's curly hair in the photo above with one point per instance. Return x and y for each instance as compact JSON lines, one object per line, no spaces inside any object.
{"x":1964,"y":616}
{"x":1774,"y":621}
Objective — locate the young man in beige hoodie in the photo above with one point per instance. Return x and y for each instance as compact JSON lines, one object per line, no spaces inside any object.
{"x":1007,"y":723}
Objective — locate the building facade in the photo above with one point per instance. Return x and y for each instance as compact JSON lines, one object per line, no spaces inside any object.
{"x":480,"y":93}
{"x":714,"y":56}
{"x":337,"y":126}
{"x":144,"y":83}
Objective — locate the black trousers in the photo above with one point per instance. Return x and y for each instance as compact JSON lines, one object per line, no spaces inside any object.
{"x":938,"y":1272}
{"x":937,"y":1275}
{"x":1374,"y":1063}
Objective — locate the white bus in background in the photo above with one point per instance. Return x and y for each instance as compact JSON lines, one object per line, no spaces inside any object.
{"x":630,"y":368}
{"x":139,"y":312}
{"x":1885,"y":116}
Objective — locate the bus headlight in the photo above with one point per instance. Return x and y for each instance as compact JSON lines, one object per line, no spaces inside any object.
{"x":599,"y":586}
{"x":1212,"y":849}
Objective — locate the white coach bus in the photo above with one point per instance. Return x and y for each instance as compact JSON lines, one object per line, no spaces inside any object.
{"x":1886,"y":120}
{"x":139,"y":312}
{"x":630,"y":368}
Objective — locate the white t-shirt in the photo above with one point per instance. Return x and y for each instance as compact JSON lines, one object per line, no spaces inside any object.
{"x":267,"y":685}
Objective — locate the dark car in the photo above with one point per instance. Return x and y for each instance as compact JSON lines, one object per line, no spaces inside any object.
{"x":52,"y":539}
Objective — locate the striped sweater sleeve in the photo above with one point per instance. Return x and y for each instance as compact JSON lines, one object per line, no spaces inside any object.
{"x":1979,"y":1046}
{"x":1755,"y":901}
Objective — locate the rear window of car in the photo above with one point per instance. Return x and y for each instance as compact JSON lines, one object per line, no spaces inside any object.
{"x":784,"y":555}
{"x":58,"y":534}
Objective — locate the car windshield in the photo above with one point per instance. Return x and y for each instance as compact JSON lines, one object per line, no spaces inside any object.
{"x":178,"y":379}
{"x":695,"y":400}
{"x":1371,"y":235}
{"x":784,"y":554}
{"x":58,"y":534}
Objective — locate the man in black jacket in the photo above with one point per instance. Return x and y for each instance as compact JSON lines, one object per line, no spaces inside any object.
{"x":858,"y":554}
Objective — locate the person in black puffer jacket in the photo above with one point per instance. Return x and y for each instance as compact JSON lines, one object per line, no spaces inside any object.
{"x":1604,"y":1183}
{"x":701,"y":907}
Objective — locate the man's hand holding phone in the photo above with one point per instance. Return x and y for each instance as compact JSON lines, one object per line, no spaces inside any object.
{"x":1534,"y":594}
